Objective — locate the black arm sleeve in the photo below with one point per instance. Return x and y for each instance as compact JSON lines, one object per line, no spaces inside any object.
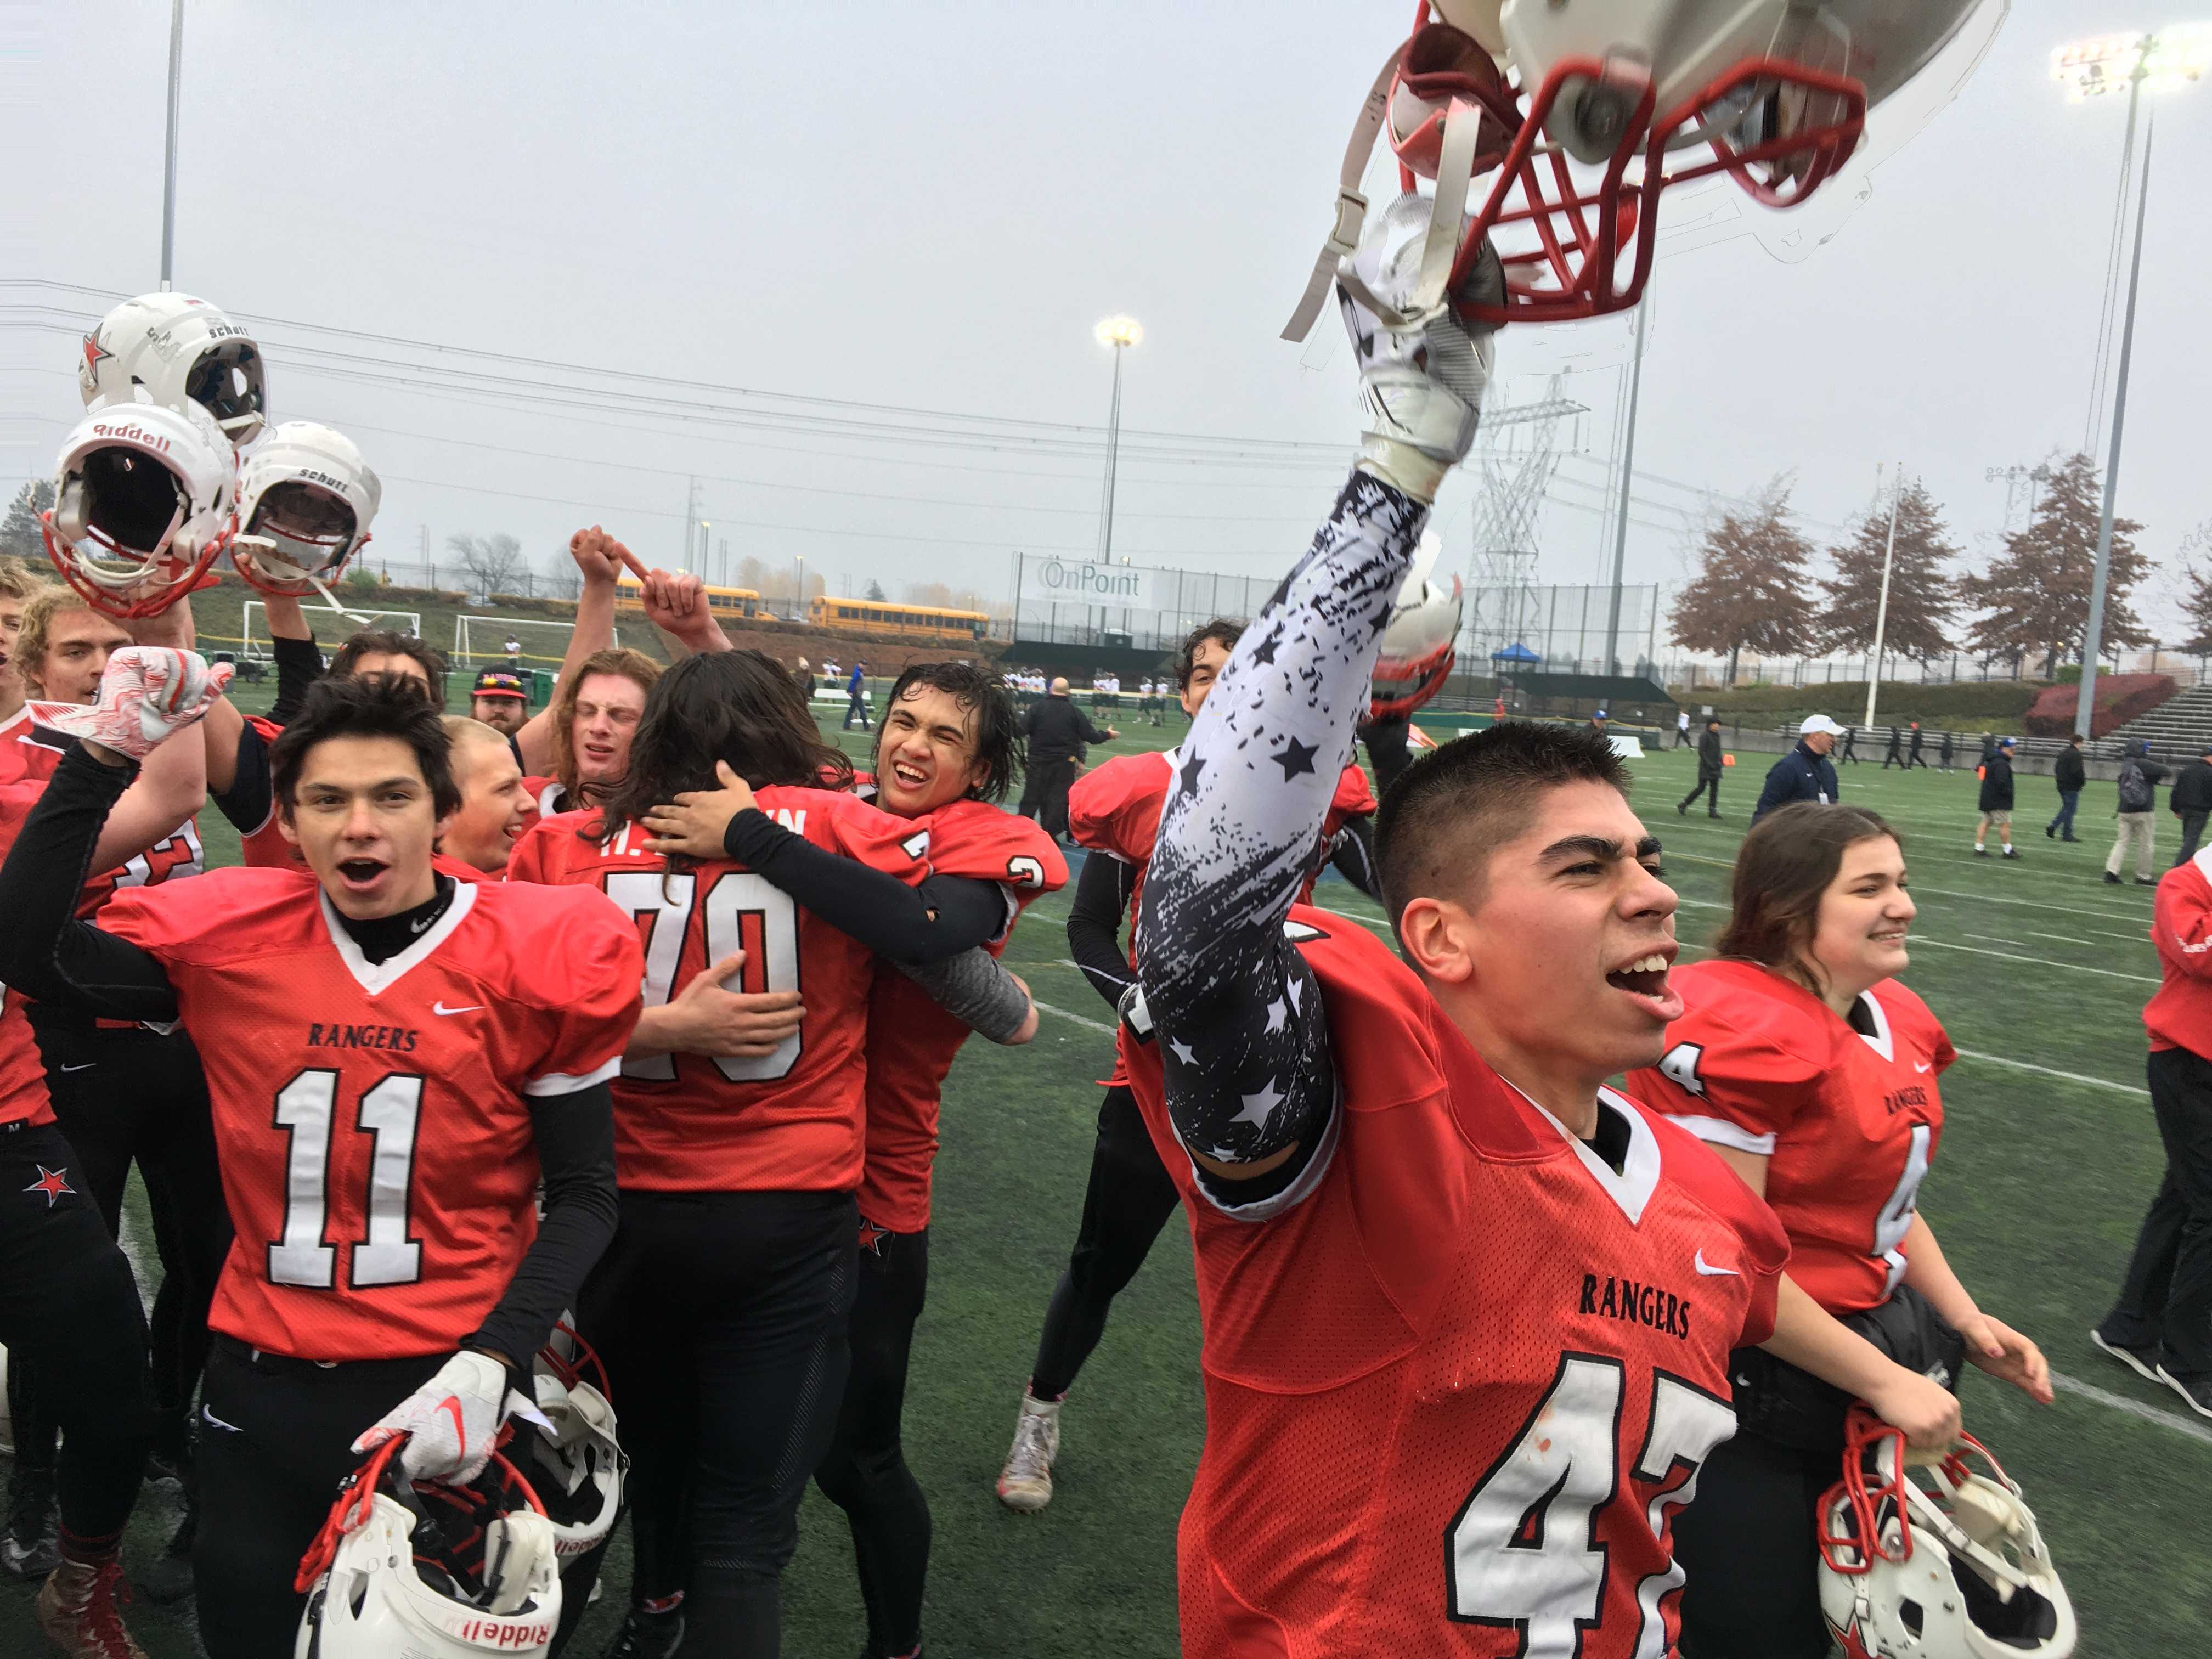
{"x":1353,"y":855}
{"x":1094,"y":924}
{"x":1387,"y":747}
{"x":1243,"y":1037}
{"x":251,"y":797}
{"x":575,"y":1137}
{"x":1091,"y":734}
{"x":45,"y":952}
{"x":944,"y":916}
{"x":298,"y":665}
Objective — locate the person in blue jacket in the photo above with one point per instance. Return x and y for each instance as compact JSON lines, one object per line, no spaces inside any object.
{"x":1806,"y":772}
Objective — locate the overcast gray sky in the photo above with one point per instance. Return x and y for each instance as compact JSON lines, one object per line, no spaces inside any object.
{"x":929,"y":206}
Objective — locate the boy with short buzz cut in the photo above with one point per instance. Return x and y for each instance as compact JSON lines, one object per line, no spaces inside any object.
{"x":399,"y":1063}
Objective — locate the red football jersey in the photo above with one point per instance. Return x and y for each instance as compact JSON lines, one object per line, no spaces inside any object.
{"x":1354,"y":799}
{"x":33,"y":754}
{"x":2179,"y":1012}
{"x":1115,"y":809}
{"x":790,"y":1121}
{"x":1848,"y":1120}
{"x":1460,"y":1325}
{"x":911,"y":1041}
{"x":373,"y":1121}
{"x":264,"y":847}
{"x":22,"y":1072}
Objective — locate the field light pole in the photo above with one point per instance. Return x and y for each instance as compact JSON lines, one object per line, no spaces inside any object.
{"x":1881,"y":607}
{"x":2174,"y":57}
{"x":1120,"y":333}
{"x":169,"y":163}
{"x":1627,"y":479}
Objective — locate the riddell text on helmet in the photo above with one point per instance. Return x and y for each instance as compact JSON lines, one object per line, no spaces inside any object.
{"x":131,"y":433}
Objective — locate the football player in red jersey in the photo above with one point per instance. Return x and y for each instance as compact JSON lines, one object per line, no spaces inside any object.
{"x":721,"y":1309}
{"x":398,"y":1060}
{"x":1454,"y":1288}
{"x":1805,"y":1065}
{"x":495,"y":811}
{"x":946,"y":751}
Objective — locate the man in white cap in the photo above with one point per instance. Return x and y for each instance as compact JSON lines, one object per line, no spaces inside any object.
{"x":1805,"y":773}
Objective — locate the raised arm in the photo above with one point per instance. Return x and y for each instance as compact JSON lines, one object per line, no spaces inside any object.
{"x":599,"y":559}
{"x":1251,"y":1088}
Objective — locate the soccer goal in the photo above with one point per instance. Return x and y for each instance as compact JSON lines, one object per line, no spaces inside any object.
{"x":481,"y":641}
{"x":255,"y":627}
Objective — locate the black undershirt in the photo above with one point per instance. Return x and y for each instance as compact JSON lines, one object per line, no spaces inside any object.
{"x":382,"y":937}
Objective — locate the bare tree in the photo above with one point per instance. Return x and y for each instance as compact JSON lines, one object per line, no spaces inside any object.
{"x":19,"y":532}
{"x":494,"y":563}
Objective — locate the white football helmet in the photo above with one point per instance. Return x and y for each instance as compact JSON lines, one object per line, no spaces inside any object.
{"x":144,"y":499}
{"x":1951,"y":1565}
{"x":305,"y":500}
{"x":436,"y":1572}
{"x":1529,"y":91}
{"x":174,"y":349}
{"x":577,"y":1469}
{"x":1418,"y":644}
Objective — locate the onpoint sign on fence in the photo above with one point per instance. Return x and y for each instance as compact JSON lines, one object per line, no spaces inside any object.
{"x":1093,"y":584}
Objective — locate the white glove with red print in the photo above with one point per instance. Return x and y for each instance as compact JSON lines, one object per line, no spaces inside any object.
{"x":452,"y":1422}
{"x":147,"y":694}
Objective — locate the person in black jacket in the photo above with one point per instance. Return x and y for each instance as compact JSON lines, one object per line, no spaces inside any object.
{"x":1709,"y":770}
{"x":1850,"y":751}
{"x":2070,"y":775}
{"x":1056,"y":731}
{"x":1950,"y":748}
{"x":1895,"y":754}
{"x":1996,"y":801}
{"x":1914,"y":758}
{"x":2137,"y":815}
{"x":2190,"y":799}
{"x":1805,"y":773}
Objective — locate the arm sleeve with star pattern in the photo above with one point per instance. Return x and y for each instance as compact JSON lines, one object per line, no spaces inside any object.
{"x":1243,"y":1039}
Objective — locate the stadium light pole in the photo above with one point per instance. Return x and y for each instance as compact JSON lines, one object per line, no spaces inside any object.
{"x":1881,"y":607}
{"x":2174,"y":58}
{"x":1627,"y":479}
{"x":1119,"y":333}
{"x":169,"y":161}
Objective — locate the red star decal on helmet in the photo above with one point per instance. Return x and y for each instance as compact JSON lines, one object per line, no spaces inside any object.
{"x":53,"y":1182}
{"x":94,"y":353}
{"x":872,"y":1237}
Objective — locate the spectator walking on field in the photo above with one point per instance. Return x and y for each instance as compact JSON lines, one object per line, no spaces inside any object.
{"x":1709,"y":770}
{"x":2069,"y":774}
{"x":1805,"y":773}
{"x":2190,"y":799}
{"x":1682,"y":729}
{"x":856,"y":698}
{"x":1996,"y":802}
{"x":1895,"y":755}
{"x":1915,"y":758}
{"x":2140,"y":777}
{"x":1057,"y":731}
{"x":1950,"y":748}
{"x":2162,"y":1326}
{"x":1850,"y":751}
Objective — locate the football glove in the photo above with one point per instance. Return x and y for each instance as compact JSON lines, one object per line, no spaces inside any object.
{"x":451,"y":1423}
{"x":1422,"y":369}
{"x":147,"y":694}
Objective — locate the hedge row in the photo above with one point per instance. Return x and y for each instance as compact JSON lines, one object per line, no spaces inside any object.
{"x":2120,"y":698}
{"x":1845,"y":700}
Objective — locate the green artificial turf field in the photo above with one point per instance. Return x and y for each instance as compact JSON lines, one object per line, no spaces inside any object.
{"x":2048,"y":1159}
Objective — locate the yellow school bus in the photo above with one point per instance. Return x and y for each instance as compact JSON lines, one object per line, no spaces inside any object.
{"x":721,"y":601}
{"x":916,"y":621}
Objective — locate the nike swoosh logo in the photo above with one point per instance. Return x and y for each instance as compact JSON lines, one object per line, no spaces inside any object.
{"x":86,"y":1067}
{"x":1706,"y":1268}
{"x":1917,"y":1066}
{"x":440,"y":1008}
{"x":453,"y":1407}
{"x":215,"y":1422}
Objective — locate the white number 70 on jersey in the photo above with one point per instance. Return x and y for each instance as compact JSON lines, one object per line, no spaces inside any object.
{"x":741,"y":911}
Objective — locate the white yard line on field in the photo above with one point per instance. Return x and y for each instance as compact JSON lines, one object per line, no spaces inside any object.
{"x":1080,"y":1019}
{"x":2120,"y":1402}
{"x":1991,"y":939}
{"x":2040,"y":962}
{"x":2086,"y":1081}
{"x":2129,"y":938}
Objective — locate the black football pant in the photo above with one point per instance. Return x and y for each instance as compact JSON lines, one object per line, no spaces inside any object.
{"x":1709,"y":788}
{"x":1045,"y":784}
{"x":2192,"y":837}
{"x":275,"y":1438}
{"x":866,"y":1474}
{"x":1129,"y":1200}
{"x":722,"y":1319}
{"x":2167,"y":1300}
{"x":1747,"y":1542}
{"x":122,"y":1095}
{"x":70,"y":1315}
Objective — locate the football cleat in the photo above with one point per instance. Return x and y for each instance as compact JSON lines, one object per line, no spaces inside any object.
{"x":430,"y":1570}
{"x":1932,"y":1558}
{"x":172,"y":351}
{"x":305,"y":500}
{"x":2143,"y":1362}
{"x":28,"y":1548}
{"x":2194,"y":1388}
{"x":144,"y":499}
{"x":648,"y":1635}
{"x":1418,"y":643}
{"x":1025,"y":1482}
{"x":77,"y":1609}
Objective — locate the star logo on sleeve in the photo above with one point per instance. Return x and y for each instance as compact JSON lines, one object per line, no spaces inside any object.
{"x":1278,"y":1012}
{"x":1265,"y":651}
{"x":53,"y":1182}
{"x":1259,"y":1108}
{"x":1296,"y":758}
{"x":873,"y":1236}
{"x":1189,"y":773}
{"x":1184,"y":1052}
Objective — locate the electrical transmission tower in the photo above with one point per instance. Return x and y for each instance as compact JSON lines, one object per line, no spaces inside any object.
{"x":1516,"y":471}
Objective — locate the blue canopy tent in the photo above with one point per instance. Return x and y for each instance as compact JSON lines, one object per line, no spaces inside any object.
{"x":1515,"y":654}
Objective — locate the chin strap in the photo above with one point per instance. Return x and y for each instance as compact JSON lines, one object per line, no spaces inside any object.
{"x":1351,"y":205}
